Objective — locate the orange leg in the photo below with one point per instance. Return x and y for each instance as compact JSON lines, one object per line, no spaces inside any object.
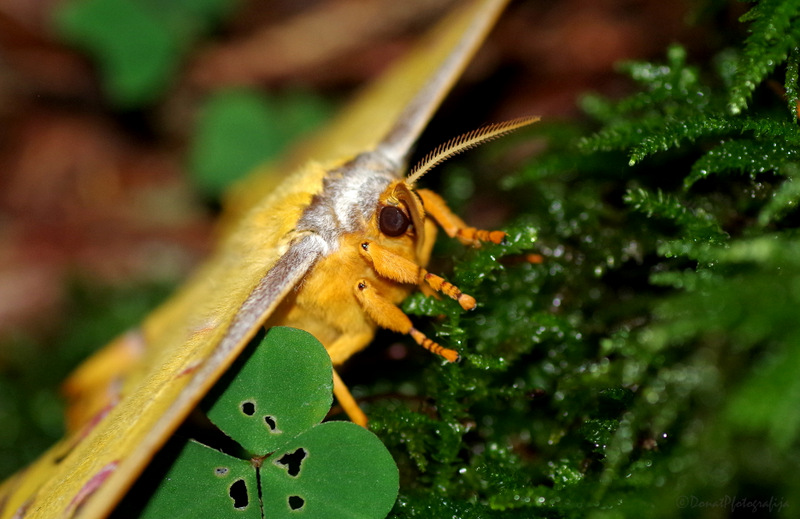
{"x":455,"y":227}
{"x":348,"y":403}
{"x":536,"y":259}
{"x":389,"y":316}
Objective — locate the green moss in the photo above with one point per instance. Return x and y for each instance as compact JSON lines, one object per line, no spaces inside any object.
{"x":648,"y":367}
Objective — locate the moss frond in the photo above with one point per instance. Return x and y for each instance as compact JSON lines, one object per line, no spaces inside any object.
{"x":774,"y":31}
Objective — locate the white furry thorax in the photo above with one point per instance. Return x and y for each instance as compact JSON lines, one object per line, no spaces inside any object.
{"x":349,"y":197}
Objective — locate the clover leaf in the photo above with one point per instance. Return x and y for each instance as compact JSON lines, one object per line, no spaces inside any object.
{"x":270,"y":403}
{"x":273,"y":392}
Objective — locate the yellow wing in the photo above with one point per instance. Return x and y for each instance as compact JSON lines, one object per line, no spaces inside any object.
{"x":190,"y":341}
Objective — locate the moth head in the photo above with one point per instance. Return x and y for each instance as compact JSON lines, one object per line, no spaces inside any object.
{"x":400,"y":213}
{"x":400,"y":210}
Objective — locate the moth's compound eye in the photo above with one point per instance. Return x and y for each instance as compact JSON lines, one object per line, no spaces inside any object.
{"x":392,"y":221}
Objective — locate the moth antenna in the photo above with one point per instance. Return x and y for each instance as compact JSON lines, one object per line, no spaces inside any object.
{"x":465,"y":142}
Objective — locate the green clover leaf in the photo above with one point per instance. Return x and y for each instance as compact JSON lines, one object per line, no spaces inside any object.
{"x":270,"y":403}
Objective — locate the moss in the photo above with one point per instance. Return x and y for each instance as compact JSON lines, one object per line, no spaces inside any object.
{"x":648,"y":366}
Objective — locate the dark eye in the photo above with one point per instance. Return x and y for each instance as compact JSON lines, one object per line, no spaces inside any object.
{"x":392,"y":221}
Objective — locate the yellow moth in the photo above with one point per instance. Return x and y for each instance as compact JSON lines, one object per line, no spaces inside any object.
{"x":331,"y":250}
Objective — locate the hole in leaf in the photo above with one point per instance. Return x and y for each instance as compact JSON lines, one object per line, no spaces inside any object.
{"x":272,"y":424}
{"x":221,"y":471}
{"x":296,"y":502}
{"x":238,"y":492}
{"x":248,"y":408}
{"x":292,"y":461}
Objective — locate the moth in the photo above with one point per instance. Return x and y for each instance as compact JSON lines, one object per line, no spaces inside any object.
{"x":332,"y":250}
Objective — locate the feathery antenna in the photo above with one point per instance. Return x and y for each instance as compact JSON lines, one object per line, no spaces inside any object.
{"x":465,"y":142}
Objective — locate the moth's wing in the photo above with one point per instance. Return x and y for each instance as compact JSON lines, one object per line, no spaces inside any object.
{"x":394,"y":109}
{"x":92,"y":386}
{"x":185,"y":364}
{"x":197,"y":334}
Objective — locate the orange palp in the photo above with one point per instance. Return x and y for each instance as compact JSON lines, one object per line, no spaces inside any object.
{"x":395,"y":267}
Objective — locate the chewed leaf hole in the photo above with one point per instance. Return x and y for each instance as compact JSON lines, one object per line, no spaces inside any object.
{"x":248,"y":407}
{"x":292,"y":461}
{"x":238,"y":492}
{"x":296,"y":502}
{"x":272,"y":424}
{"x":221,"y":471}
